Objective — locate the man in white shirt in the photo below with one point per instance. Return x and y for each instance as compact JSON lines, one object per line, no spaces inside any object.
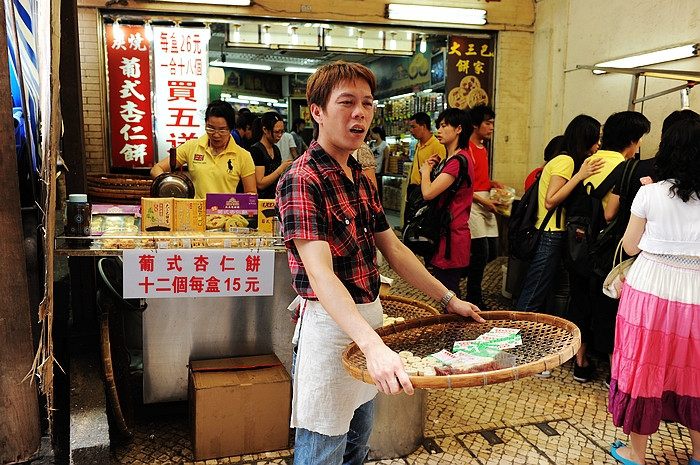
{"x":288,"y":147}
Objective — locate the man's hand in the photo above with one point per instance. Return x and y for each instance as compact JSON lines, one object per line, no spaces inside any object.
{"x":386,"y":369}
{"x":461,"y":307}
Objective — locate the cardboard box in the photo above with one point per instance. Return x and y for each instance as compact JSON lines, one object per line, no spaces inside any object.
{"x":156,"y":214}
{"x":188,"y":215}
{"x":239,"y":406}
{"x":223,"y":207}
{"x":266,"y":211}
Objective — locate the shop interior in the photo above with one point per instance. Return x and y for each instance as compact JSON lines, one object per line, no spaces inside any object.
{"x":263,"y":66}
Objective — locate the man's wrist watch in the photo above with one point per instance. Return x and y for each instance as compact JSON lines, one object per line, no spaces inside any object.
{"x":446,"y":299}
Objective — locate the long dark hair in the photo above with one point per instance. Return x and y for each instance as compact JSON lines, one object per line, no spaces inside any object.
{"x":580,"y":135}
{"x":456,"y":118}
{"x":678,"y":159}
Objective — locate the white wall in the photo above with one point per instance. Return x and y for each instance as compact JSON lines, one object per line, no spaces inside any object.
{"x":585,"y":32}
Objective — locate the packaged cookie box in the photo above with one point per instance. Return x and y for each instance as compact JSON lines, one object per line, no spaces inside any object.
{"x":266,"y":211}
{"x":156,"y":214}
{"x":189,"y":215}
{"x":229,"y":212}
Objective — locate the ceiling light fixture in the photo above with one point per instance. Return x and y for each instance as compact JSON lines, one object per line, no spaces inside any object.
{"x":392,"y":41}
{"x":228,"y":64}
{"x":259,"y":99}
{"x":651,"y":58}
{"x":327,"y":37}
{"x":117,"y":32}
{"x":295,"y":69}
{"x":295,"y":36}
{"x":436,"y":14}
{"x":423,"y":44}
{"x":211,"y":2}
{"x":360,"y":39}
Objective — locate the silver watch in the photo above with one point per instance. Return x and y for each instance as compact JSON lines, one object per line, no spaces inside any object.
{"x":446,"y":299}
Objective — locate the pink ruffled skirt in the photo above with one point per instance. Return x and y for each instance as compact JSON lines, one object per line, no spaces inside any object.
{"x":655,"y":373}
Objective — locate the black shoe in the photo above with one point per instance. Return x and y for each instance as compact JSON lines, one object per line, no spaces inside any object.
{"x":583,"y":374}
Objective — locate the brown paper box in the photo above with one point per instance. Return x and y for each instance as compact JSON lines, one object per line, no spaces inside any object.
{"x":239,"y":406}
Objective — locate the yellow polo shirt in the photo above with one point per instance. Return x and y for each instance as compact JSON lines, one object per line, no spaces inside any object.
{"x":612,"y":159}
{"x":215,"y":173}
{"x":422,"y":153}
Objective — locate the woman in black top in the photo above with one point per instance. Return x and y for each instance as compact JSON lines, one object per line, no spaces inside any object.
{"x":267,"y":130}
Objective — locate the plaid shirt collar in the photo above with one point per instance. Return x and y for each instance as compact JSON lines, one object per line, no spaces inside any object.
{"x":328,"y":165}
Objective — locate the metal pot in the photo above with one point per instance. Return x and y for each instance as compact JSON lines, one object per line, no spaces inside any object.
{"x":172,"y":184}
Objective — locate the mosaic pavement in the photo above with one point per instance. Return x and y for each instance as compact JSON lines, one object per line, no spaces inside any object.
{"x":530,"y":421}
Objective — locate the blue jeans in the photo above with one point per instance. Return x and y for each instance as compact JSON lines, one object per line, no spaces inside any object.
{"x":311,"y":448}
{"x":542,"y":271}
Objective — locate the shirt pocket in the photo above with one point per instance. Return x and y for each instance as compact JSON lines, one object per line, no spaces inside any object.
{"x":343,"y":231}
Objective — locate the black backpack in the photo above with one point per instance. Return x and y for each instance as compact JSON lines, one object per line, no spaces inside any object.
{"x":523,"y":235}
{"x":585,"y":219}
{"x":425,"y":223}
{"x":602,"y":250}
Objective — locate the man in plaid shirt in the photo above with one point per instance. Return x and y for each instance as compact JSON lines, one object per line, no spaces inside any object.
{"x":333,"y":221}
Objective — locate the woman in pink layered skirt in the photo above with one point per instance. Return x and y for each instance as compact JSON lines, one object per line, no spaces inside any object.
{"x":656,"y":362}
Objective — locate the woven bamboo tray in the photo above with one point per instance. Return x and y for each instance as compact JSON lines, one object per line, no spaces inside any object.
{"x":548,"y":342}
{"x":396,"y":306}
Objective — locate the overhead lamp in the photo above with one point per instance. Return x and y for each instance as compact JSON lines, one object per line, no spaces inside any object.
{"x":295,"y":69}
{"x":259,"y":99}
{"x":360,"y":39}
{"x":211,"y":2}
{"x":380,"y":34}
{"x":396,"y":97}
{"x":295,"y":36}
{"x":327,"y":37}
{"x":117,"y":32}
{"x":230,"y":64}
{"x":423,"y":44}
{"x":266,"y":35}
{"x":351,"y":31}
{"x":392,"y":41}
{"x":436,"y":14}
{"x":651,"y":58}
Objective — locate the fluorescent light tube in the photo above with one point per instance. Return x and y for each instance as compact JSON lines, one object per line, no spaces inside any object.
{"x":294,"y":69}
{"x":436,"y":14}
{"x":651,"y":58}
{"x":259,"y":99}
{"x":229,"y":64}
{"x":210,"y":2}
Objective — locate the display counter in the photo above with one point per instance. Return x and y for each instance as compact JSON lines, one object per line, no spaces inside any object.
{"x":179,"y":329}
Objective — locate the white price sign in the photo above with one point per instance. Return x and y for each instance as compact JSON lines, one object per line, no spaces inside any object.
{"x":171,"y":273}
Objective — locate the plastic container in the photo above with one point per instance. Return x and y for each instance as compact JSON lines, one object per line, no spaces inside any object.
{"x":78,"y":215}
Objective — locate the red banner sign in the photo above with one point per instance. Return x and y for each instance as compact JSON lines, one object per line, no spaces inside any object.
{"x":130,"y":113}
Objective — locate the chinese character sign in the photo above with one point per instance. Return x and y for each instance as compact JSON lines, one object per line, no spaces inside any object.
{"x":130,"y":114}
{"x":171,"y":273}
{"x":182,"y":92}
{"x":470,"y":70}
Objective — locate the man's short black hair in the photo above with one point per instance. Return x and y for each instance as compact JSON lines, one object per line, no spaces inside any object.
{"x":421,"y":118}
{"x":481,"y":113}
{"x":622,"y":129}
{"x":245,"y":120}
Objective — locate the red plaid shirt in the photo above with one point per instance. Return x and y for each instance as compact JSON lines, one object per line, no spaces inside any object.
{"x":317,"y":201}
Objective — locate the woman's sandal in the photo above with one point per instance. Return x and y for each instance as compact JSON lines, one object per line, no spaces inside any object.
{"x":618,"y":444}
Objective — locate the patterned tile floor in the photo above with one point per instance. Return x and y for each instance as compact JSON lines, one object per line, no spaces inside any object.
{"x":530,"y":421}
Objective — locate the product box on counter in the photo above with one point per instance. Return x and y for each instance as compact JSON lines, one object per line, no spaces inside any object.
{"x":111,"y":219}
{"x":189,"y":215}
{"x":238,"y":406}
{"x":230,"y":211}
{"x":266,"y":211}
{"x":156,"y":214}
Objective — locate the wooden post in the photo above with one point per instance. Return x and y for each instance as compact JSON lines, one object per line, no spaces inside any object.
{"x":20,"y":433}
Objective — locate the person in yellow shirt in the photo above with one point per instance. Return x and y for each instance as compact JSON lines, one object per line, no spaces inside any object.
{"x":427,"y":146}
{"x":215,"y":162}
